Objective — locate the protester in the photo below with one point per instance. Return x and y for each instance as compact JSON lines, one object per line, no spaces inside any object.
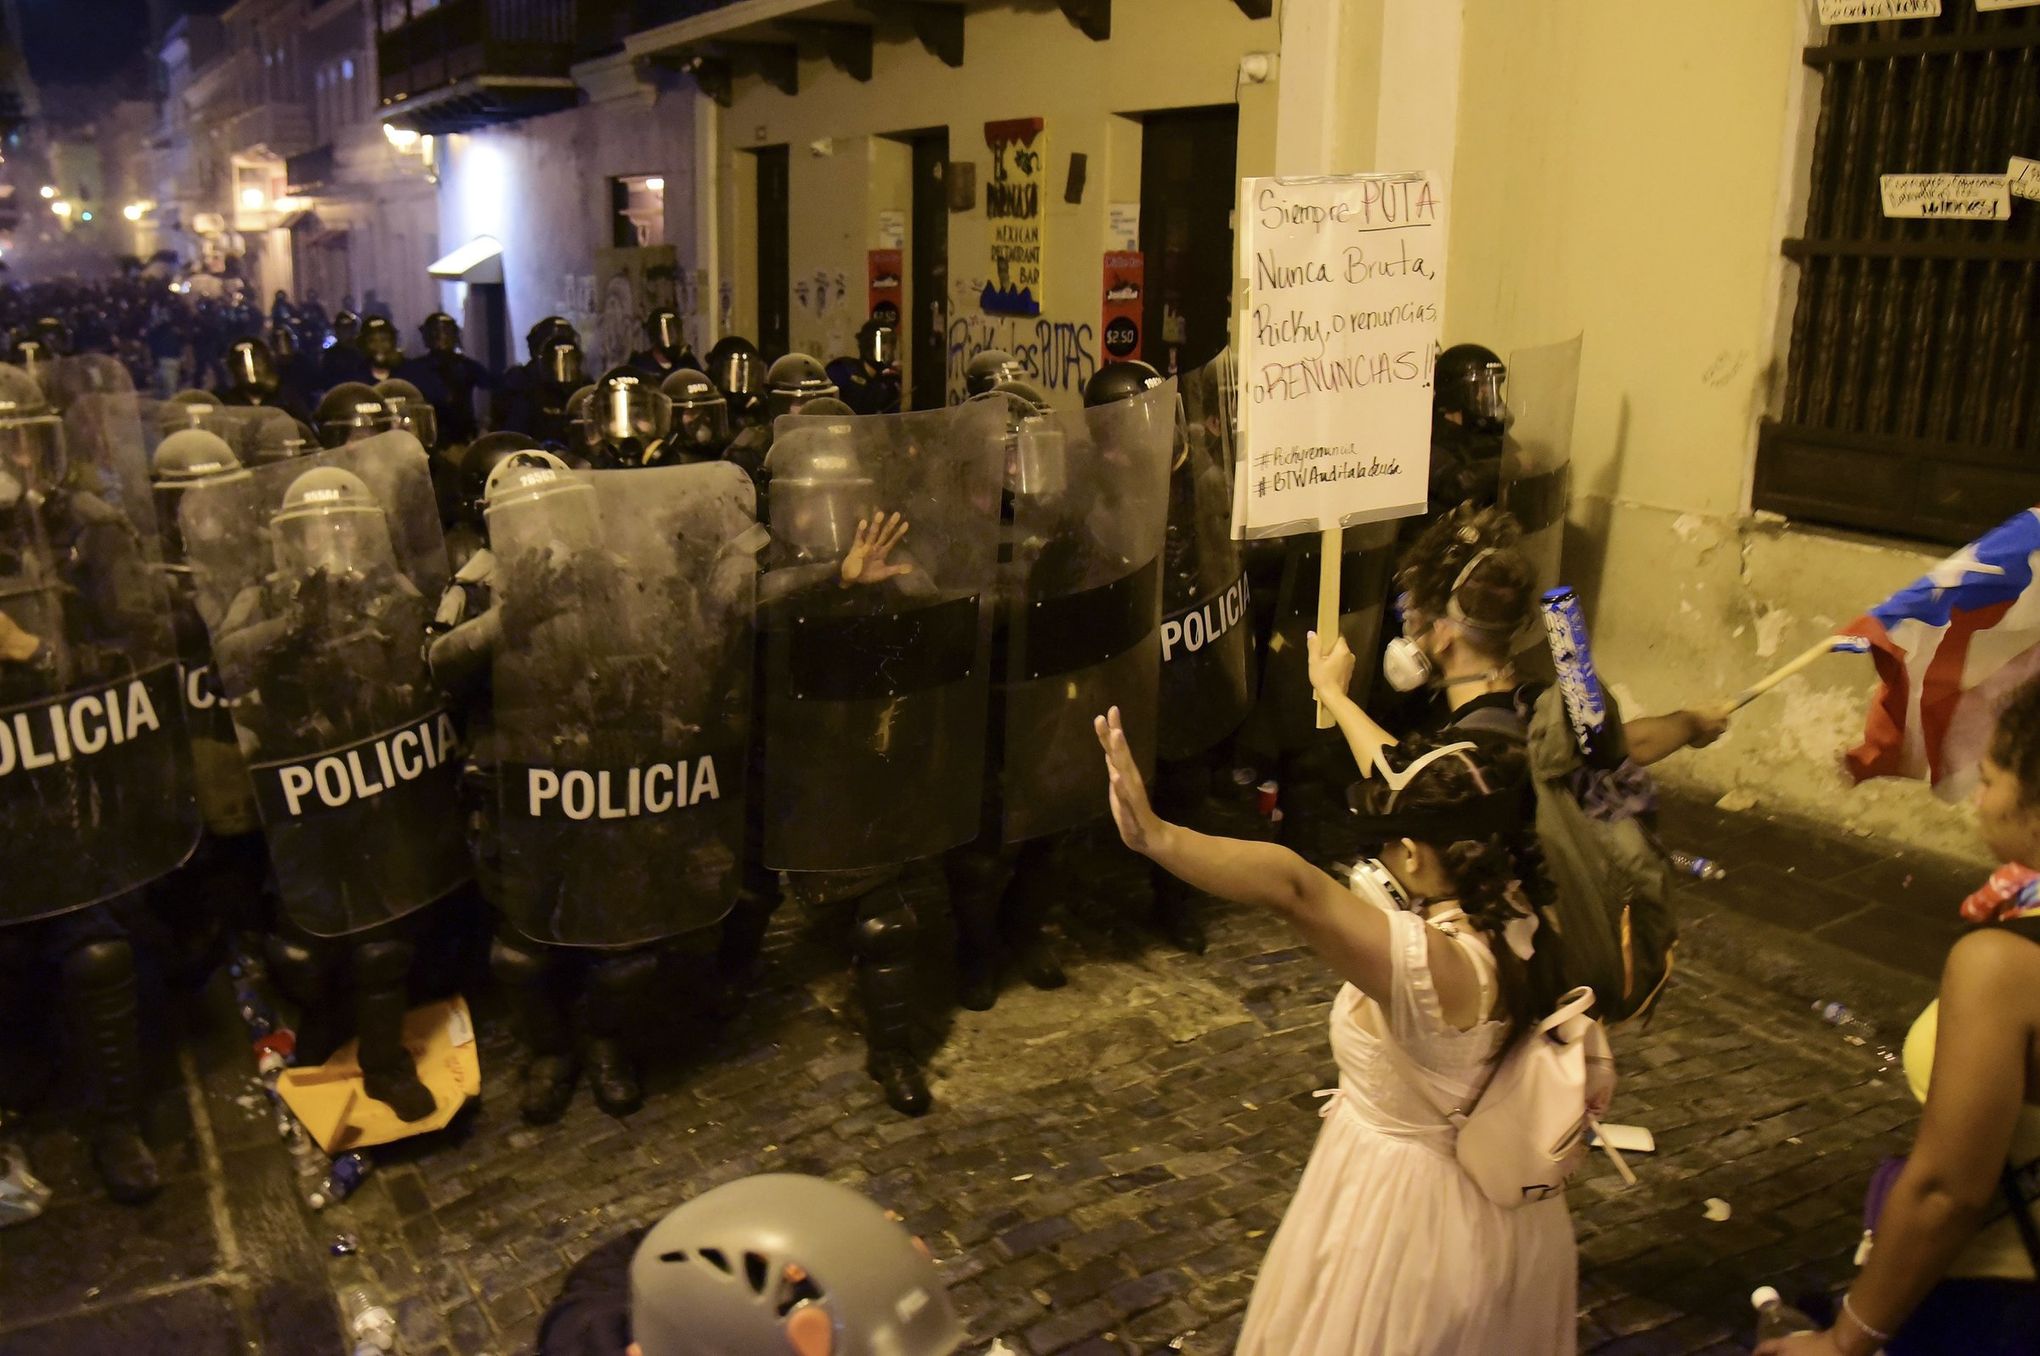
{"x":1956,"y":1245}
{"x":1389,"y":1246}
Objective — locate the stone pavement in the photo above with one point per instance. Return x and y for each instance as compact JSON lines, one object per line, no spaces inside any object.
{"x":1101,"y":1172}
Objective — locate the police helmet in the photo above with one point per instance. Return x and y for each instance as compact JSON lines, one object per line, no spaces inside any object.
{"x":350,"y":411}
{"x":1121,"y":380}
{"x":330,"y":522}
{"x":793,"y":381}
{"x":1468,"y":386}
{"x":987,"y":368}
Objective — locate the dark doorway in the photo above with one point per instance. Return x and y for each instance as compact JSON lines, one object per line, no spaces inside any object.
{"x":1187,"y":193}
{"x":927,"y":337}
{"x":775,"y":306}
{"x":485,"y":329}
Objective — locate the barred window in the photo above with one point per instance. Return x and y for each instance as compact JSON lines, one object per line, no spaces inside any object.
{"x":1909,"y":404}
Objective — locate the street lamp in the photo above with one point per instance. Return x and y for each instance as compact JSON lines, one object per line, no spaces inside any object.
{"x":133,"y":211}
{"x":61,"y":207}
{"x":48,"y":192}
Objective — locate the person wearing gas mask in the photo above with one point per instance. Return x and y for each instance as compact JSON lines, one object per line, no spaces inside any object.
{"x":87,"y":821}
{"x":790,"y":384}
{"x":466,"y":536}
{"x":252,"y":379}
{"x":448,"y":377}
{"x":342,"y":359}
{"x":1084,"y":515}
{"x":665,"y":351}
{"x":701,"y":416}
{"x":537,"y":407}
{"x":296,"y":375}
{"x":516,"y":394}
{"x":624,"y":421}
{"x":578,"y":700}
{"x":320,"y":655}
{"x":738,"y":371}
{"x":863,"y":777}
{"x":382,"y":347}
{"x":349,"y":412}
{"x":869,"y":382}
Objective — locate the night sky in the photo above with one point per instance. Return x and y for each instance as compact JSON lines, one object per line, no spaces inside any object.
{"x":83,"y":41}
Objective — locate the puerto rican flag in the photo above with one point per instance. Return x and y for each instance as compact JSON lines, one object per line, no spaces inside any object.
{"x":1950,"y":648}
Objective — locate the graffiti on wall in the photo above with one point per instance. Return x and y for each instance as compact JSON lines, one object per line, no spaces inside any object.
{"x":1061,"y":355}
{"x":631,"y":282}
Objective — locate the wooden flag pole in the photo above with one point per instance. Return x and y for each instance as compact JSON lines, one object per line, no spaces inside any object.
{"x":1331,"y":556}
{"x":1800,"y":663}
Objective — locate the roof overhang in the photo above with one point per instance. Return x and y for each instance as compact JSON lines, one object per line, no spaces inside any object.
{"x":478,"y":261}
{"x":481,"y":102}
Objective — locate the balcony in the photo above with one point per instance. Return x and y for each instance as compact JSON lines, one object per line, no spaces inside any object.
{"x":278,"y":129}
{"x":463,"y":64}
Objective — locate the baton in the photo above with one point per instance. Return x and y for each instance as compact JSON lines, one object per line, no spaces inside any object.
{"x":1832,"y":645}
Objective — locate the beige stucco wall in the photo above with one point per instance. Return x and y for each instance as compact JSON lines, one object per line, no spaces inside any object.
{"x":1629,"y":177}
{"x":1018,"y":63}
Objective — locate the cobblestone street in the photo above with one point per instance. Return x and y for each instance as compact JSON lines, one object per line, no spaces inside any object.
{"x":1101,"y":1173}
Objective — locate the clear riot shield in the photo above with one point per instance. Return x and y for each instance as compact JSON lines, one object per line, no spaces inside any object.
{"x":876,"y":691}
{"x":316,"y":577}
{"x":622,"y":691}
{"x":1207,"y":682}
{"x":1536,"y":481}
{"x":1090,"y":495}
{"x":95,"y":782}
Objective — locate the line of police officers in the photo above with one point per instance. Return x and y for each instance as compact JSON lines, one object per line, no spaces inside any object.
{"x":307,"y":688}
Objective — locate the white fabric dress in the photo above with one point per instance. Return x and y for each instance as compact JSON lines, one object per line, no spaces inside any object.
{"x":1388,"y":1249}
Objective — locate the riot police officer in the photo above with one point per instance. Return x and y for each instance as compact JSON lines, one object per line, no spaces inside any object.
{"x":342,"y":359}
{"x":448,"y":377}
{"x":382,"y":347}
{"x":350,"y":412}
{"x":516,"y":395}
{"x":790,"y":384}
{"x":537,"y":405}
{"x":626,"y":421}
{"x":869,"y":382}
{"x":989,"y":367}
{"x":738,"y":371}
{"x":1467,"y":413}
{"x":252,"y":379}
{"x":701,"y":416}
{"x":296,"y":376}
{"x":665,"y":350}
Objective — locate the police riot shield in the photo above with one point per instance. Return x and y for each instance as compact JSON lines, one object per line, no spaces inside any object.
{"x":315,"y":578}
{"x":95,"y":784}
{"x":1082,"y":602}
{"x":876,"y":680}
{"x":1207,"y":629}
{"x":622,"y":691}
{"x":1536,"y":481}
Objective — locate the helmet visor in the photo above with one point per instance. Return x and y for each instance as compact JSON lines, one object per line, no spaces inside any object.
{"x":562,"y":364}
{"x":665,"y":332}
{"x":337,"y":540}
{"x":629,"y":414}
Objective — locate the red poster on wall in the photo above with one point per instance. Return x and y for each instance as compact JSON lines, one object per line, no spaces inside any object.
{"x":887,"y":292}
{"x":1125,"y":296}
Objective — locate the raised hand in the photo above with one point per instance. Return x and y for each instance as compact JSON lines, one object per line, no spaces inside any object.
{"x":1331,"y":668}
{"x":865,"y":562}
{"x":1136,"y":818}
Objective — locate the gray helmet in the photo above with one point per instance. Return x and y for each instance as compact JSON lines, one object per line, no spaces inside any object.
{"x":820,"y":488}
{"x":701,"y":417}
{"x":780,"y":1263}
{"x":1037,"y":465}
{"x":330,"y":521}
{"x":351,"y":411}
{"x":534,"y":499}
{"x":405,"y":407}
{"x":988,"y":368}
{"x":183,"y":459}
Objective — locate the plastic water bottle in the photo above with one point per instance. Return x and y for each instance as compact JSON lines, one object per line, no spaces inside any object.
{"x":1776,"y":1318}
{"x":369,"y":1323}
{"x":1699,"y":868}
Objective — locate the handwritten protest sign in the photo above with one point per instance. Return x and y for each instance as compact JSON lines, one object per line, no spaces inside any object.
{"x":1866,"y":11}
{"x":1957,"y":197}
{"x":1344,"y":282}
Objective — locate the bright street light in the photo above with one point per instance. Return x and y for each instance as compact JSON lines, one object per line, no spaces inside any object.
{"x":133,"y":211}
{"x":86,"y":216}
{"x":399,"y":138}
{"x":48,"y":192}
{"x":61,"y":207}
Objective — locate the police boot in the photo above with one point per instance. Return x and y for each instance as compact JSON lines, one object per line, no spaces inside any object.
{"x":977,"y":880}
{"x":550,"y":1068}
{"x":613,"y":984}
{"x":887,"y":932}
{"x":99,"y":989}
{"x":1175,"y":914}
{"x":304,"y":975}
{"x":388,"y":1073}
{"x":741,"y":940}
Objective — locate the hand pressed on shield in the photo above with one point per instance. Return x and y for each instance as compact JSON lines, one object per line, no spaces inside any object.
{"x":16,"y":645}
{"x":865,"y":562}
{"x":1139,"y":825}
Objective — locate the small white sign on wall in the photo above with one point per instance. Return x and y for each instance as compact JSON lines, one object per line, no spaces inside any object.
{"x":1953,"y":197}
{"x":1122,"y":226}
{"x":2024,"y":175}
{"x":1870,"y":11}
{"x":892,"y":229}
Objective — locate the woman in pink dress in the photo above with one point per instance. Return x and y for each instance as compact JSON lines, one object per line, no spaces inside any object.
{"x":1389,"y":1249}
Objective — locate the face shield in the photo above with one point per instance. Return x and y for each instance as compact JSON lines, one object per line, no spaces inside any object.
{"x":1486,"y":409}
{"x":381,"y":348}
{"x":337,"y":539}
{"x":1037,"y":465}
{"x":562,"y":365}
{"x":535,"y":507}
{"x":701,"y":430}
{"x":738,"y":374}
{"x":249,"y":369}
{"x":664,"y":331}
{"x":415,"y":417}
{"x":879,"y":345}
{"x":781,"y":401}
{"x":32,"y":449}
{"x":629,"y":414}
{"x":817,"y":508}
{"x":442,"y":335}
